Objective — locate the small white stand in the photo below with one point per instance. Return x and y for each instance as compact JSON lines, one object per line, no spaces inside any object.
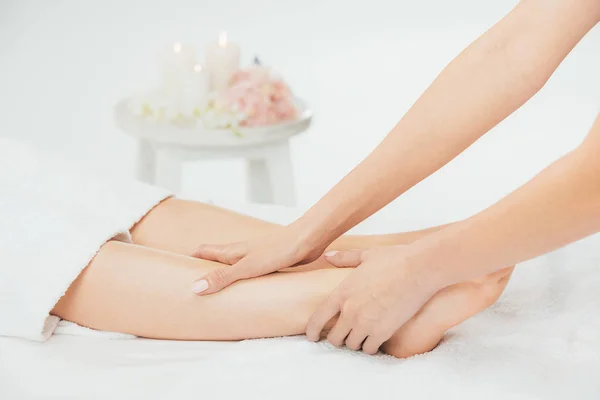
{"x":163,"y":148}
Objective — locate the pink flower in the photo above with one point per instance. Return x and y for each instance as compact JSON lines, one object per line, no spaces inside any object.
{"x":262,"y":98}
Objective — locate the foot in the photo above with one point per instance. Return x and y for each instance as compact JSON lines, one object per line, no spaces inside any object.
{"x":448,"y":308}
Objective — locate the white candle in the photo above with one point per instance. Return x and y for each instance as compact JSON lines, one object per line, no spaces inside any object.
{"x":196,"y":92}
{"x":176,"y":63}
{"x":222,"y":60}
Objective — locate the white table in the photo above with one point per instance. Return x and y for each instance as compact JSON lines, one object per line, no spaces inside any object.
{"x":164,"y":147}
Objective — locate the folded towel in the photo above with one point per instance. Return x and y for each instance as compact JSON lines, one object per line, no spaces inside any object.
{"x":54,"y":218}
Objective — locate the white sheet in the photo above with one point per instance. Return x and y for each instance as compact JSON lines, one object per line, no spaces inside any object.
{"x":540,"y":341}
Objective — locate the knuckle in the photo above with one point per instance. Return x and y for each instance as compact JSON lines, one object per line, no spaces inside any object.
{"x":379,"y":335}
{"x":240,"y":247}
{"x":382,"y":329}
{"x":231,"y":257}
{"x":341,"y":296}
{"x":201,"y":249}
{"x":349,"y":309}
{"x":363,"y":322}
{"x":345,"y":293}
{"x":218,"y":277}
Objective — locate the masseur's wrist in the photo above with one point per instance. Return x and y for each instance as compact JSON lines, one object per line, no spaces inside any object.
{"x":311,"y":234}
{"x":326,"y":221}
{"x":425,"y":268}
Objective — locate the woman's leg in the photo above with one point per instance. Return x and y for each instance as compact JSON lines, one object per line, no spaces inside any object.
{"x":146,"y":292}
{"x":179,"y":226}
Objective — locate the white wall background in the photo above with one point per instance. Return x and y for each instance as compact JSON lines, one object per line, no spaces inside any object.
{"x":360,"y":64}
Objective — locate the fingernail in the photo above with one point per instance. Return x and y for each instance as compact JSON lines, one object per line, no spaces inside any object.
{"x":199,"y":286}
{"x":331,"y":253}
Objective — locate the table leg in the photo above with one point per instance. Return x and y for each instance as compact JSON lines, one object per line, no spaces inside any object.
{"x":281,"y":174}
{"x":169,"y":171}
{"x":258,"y":183}
{"x":146,"y":162}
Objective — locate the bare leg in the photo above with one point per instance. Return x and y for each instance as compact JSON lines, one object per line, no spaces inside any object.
{"x":146,"y":292}
{"x":178,"y":226}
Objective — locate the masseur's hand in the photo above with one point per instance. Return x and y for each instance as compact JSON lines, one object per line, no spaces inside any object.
{"x":291,"y":246}
{"x":376,"y":299}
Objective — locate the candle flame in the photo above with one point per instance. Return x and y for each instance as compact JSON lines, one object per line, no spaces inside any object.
{"x":177,"y":47}
{"x":223,"y":39}
{"x":198,"y":68}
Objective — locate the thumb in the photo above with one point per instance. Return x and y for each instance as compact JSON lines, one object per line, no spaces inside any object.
{"x":344,"y":259}
{"x":223,"y":253}
{"x":215,"y":281}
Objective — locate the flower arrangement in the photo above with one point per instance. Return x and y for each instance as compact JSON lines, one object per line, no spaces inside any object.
{"x":259,"y":97}
{"x":255,"y":96}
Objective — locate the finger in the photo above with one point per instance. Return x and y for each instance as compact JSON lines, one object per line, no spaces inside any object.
{"x":355,"y":339}
{"x":345,"y":258}
{"x":321,"y":316}
{"x":339,"y":332}
{"x":217,"y":280}
{"x":223,"y":253}
{"x":374,"y":341}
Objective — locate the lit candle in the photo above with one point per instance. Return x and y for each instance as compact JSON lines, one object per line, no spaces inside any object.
{"x":222,"y":60}
{"x":196,"y":92}
{"x":176,"y":63}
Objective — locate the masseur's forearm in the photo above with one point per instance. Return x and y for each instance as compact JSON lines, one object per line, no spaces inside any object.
{"x":559,"y":206}
{"x":483,"y":85}
{"x":355,"y":242}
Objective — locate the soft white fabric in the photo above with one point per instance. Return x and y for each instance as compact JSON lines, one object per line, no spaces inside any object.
{"x":540,"y":341}
{"x":70,"y":328}
{"x":54,"y":218}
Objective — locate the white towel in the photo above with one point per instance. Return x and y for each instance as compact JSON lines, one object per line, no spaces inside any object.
{"x":540,"y":341}
{"x":54,"y":218}
{"x":73,"y":329}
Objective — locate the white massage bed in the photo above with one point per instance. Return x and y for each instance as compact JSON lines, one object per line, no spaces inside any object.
{"x":540,"y":341}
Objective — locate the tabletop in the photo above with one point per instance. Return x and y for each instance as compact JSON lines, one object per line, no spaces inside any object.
{"x":198,"y":136}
